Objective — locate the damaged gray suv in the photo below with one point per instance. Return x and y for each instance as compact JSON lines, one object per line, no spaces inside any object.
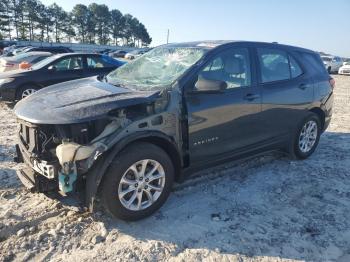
{"x":179,"y":108}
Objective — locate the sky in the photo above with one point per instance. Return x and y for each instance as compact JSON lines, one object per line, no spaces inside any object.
{"x":320,"y":25}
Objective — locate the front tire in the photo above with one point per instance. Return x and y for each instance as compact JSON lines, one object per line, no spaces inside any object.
{"x":25,"y":91}
{"x":138,"y":182}
{"x":306,"y":137}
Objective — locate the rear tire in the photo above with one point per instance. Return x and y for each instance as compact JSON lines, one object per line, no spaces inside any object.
{"x":130,"y":190}
{"x":306,"y":137}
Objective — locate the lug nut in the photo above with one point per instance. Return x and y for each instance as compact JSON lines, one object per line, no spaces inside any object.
{"x":139,"y":190}
{"x":146,"y":186}
{"x":141,"y":178}
{"x":147,"y":180}
{"x":136,"y":185}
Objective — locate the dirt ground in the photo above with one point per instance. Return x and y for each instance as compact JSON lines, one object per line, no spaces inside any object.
{"x":268,"y":208}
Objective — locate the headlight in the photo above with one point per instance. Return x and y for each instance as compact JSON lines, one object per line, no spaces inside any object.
{"x":6,"y":80}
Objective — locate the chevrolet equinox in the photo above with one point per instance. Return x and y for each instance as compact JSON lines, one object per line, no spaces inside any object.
{"x":180,"y":107}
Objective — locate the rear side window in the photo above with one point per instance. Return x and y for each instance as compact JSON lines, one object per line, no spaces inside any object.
{"x":277,"y":65}
{"x":315,"y":63}
{"x":96,"y":62}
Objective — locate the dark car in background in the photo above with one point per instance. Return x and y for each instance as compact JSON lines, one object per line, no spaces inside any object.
{"x":18,"y":84}
{"x":176,"y":109}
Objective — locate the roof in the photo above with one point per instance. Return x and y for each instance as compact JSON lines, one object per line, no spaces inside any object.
{"x":211,"y":44}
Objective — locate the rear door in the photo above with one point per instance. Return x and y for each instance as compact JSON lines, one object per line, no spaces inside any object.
{"x":287,"y":91}
{"x":224,"y":121}
{"x":64,"y":69}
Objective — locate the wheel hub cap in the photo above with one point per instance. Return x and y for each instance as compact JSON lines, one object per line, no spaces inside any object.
{"x":308,"y":136}
{"x":28,"y":92}
{"x":141,"y":185}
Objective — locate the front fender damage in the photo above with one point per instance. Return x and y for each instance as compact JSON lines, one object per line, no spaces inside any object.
{"x":93,"y":159}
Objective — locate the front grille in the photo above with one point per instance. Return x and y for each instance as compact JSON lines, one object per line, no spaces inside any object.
{"x":37,"y":140}
{"x":29,"y":137}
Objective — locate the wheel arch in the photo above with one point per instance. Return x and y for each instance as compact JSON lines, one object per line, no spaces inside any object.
{"x":96,"y":175}
{"x":21,"y":86}
{"x":321,"y":114}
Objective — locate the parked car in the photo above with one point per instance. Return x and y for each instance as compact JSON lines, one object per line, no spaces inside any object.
{"x":332,"y":63}
{"x":12,"y":63}
{"x":345,"y":69}
{"x":13,"y":50}
{"x":18,"y":84}
{"x":176,"y":109}
{"x":346,"y":60}
{"x":105,"y":51}
{"x":134,"y":54}
{"x":118,"y":54}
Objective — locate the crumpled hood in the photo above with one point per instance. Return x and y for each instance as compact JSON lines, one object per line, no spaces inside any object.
{"x":78,"y":101}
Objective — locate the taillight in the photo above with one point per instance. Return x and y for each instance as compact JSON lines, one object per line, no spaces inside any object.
{"x":9,"y":65}
{"x":332,"y":82}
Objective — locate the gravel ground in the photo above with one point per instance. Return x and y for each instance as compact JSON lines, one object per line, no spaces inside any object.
{"x":264,"y":209}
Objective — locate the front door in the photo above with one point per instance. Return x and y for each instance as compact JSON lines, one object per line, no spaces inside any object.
{"x":224,"y":121}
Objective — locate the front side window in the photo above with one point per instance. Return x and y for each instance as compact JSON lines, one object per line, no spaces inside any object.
{"x":232,"y":67}
{"x":277,"y":65}
{"x":71,"y":63}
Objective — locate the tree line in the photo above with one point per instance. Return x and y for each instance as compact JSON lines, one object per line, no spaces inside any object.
{"x":94,"y":24}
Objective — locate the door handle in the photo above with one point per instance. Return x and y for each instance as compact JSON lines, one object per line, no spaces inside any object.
{"x":251,"y":97}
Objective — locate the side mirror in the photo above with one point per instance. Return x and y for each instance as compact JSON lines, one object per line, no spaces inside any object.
{"x":52,"y":68}
{"x":206,"y":85}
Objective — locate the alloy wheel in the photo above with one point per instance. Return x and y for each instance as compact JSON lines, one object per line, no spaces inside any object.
{"x":28,"y":92}
{"x":308,"y":136}
{"x":141,"y":185}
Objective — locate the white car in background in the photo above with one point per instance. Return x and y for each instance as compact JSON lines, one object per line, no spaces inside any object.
{"x":345,"y":69}
{"x":332,"y":63}
{"x":14,"y":62}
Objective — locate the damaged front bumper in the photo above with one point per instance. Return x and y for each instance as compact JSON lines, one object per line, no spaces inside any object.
{"x":36,"y":175}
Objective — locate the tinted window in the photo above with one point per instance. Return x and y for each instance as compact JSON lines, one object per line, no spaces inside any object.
{"x":96,"y":62}
{"x":294,"y":67}
{"x":232,"y":66}
{"x":71,"y":63}
{"x":314,"y":62}
{"x":274,"y":65}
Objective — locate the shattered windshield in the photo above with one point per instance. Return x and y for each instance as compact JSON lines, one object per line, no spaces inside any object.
{"x":156,"y":69}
